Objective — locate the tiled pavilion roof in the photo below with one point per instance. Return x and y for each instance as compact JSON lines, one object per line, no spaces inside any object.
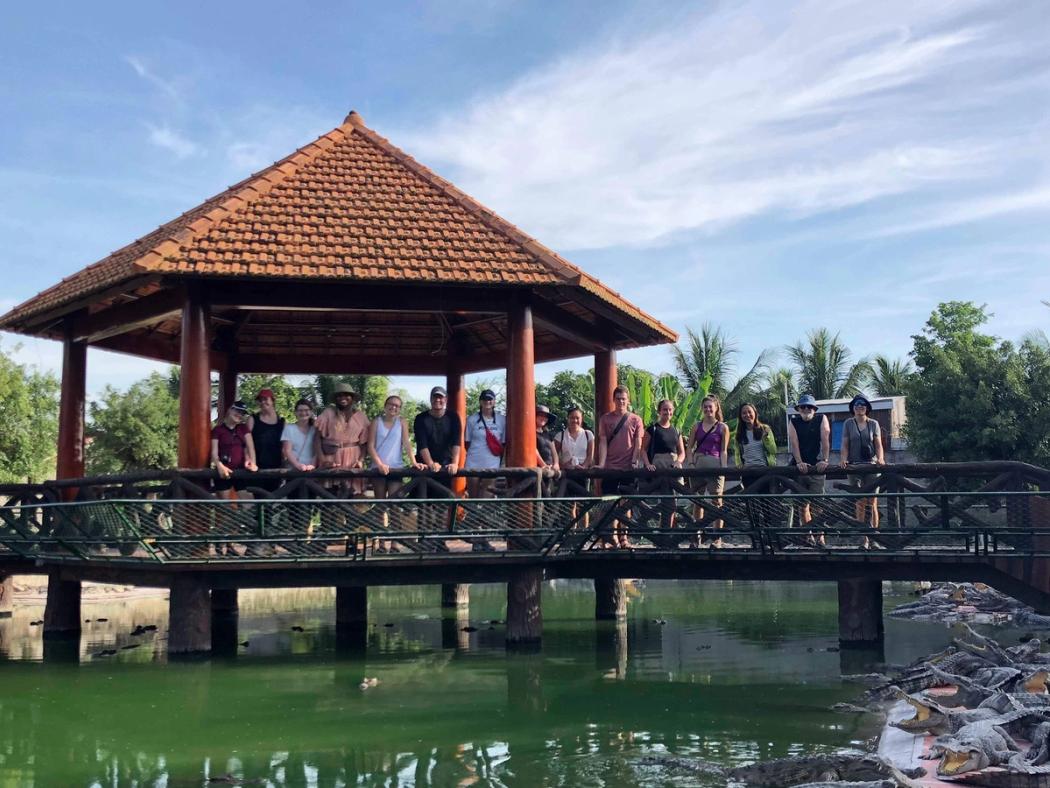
{"x":350,"y":208}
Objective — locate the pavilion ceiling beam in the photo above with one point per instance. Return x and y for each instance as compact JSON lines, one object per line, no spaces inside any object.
{"x":326,"y":296}
{"x":122,"y":318}
{"x":568,"y":326}
{"x":291,"y":363}
{"x":44,"y":323}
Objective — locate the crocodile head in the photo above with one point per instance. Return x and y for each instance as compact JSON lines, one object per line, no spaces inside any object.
{"x":1036,"y":682}
{"x":960,"y":757}
{"x":926,"y":717}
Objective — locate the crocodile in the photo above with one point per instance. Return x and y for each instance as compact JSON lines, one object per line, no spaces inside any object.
{"x":932,"y":717}
{"x":1017,"y":772}
{"x":971,"y":693}
{"x":841,"y":766}
{"x":924,"y":677}
{"x":983,"y":743}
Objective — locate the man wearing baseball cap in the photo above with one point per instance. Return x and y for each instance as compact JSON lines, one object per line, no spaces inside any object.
{"x":439,"y":435}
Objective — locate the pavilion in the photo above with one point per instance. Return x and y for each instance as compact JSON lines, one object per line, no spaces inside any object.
{"x":348,"y":256}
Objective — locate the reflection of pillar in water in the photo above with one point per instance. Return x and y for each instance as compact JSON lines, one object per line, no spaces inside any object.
{"x":453,"y":622}
{"x":862,"y":660}
{"x":351,"y":619}
{"x":224,"y":619}
{"x":525,"y":683}
{"x":610,"y":648}
{"x":61,"y":650}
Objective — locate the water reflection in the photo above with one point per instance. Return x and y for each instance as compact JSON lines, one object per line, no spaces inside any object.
{"x":689,"y":673}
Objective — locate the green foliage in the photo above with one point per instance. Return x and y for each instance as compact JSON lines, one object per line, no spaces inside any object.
{"x":711,"y":356}
{"x":647,"y":390}
{"x":823,"y":368}
{"x":974,"y":396}
{"x":134,"y":430}
{"x":285,"y":393}
{"x":28,"y":421}
{"x":768,"y":399}
{"x":566,"y":389}
{"x":890,"y":377}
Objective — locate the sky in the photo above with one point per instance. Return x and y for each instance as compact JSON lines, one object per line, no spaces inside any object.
{"x":771,"y":167}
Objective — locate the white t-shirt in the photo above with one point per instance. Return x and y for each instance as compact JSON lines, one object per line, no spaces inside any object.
{"x":302,"y":442}
{"x":478,"y":454}
{"x":573,"y":450}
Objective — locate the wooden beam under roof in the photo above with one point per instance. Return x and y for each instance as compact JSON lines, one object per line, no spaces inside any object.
{"x":130,"y":315}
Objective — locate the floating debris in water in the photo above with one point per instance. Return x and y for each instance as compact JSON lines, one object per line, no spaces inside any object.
{"x":469,"y":629}
{"x":298,"y":629}
{"x":106,"y":652}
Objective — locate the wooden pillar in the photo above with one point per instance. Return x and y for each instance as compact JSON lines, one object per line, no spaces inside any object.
{"x":610,"y":598}
{"x":351,"y":607}
{"x":227,"y":387}
{"x":521,"y":389}
{"x":62,"y":612}
{"x":224,"y":620}
{"x":524,"y":609}
{"x":7,"y":596}
{"x":455,"y":385}
{"x":70,"y":460}
{"x":860,"y":612}
{"x":195,"y":382}
{"x":455,"y":595}
{"x":604,"y":383}
{"x":189,"y":615}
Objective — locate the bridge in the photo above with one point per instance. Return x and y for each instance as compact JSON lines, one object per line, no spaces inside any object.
{"x":977,"y":521}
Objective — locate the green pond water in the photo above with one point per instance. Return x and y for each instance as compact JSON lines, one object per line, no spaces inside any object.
{"x":727,"y":672}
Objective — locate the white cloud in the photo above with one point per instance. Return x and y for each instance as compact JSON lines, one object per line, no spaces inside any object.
{"x":167,"y":138}
{"x":753,"y":108}
{"x":167,"y":87}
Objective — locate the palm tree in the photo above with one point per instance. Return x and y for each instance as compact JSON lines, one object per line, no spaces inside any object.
{"x":891,"y":377}
{"x":823,"y":368}
{"x":770,"y":399}
{"x":710,"y":356}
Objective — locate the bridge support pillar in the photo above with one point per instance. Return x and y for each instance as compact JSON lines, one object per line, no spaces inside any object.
{"x":860,"y":612}
{"x":455,"y":595}
{"x":62,"y":611}
{"x":189,"y":615}
{"x":351,"y":607}
{"x":7,"y":596}
{"x":454,"y":622}
{"x":525,"y":610}
{"x":224,"y":619}
{"x":610,"y":598}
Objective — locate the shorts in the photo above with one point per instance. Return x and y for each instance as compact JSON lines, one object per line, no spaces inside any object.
{"x":222,"y":485}
{"x":812,"y":483}
{"x":709,"y":485}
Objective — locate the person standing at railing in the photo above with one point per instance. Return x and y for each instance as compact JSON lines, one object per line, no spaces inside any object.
{"x":664,"y":447}
{"x":342,"y":435}
{"x":575,"y":445}
{"x":809,"y":441}
{"x":546,"y":453}
{"x":755,"y":445}
{"x":862,"y":445}
{"x":619,"y":448}
{"x":267,"y":428}
{"x":232,"y":449}
{"x":388,"y":447}
{"x":297,"y":439}
{"x":438,"y":437}
{"x":484,"y":437}
{"x":709,"y":447}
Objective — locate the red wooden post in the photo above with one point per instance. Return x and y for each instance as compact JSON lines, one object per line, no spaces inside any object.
{"x":524,"y":611}
{"x":70,"y":464}
{"x":194,"y":383}
{"x":456,"y":387}
{"x":521,"y":389}
{"x":62,"y":611}
{"x":604,"y":382}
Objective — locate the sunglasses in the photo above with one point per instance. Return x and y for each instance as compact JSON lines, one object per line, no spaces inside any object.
{"x":806,"y":407}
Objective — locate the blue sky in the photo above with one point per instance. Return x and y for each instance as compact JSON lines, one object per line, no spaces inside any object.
{"x":771,"y":167}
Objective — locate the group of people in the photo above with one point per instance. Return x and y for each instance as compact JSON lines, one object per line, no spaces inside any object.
{"x":341,"y":436}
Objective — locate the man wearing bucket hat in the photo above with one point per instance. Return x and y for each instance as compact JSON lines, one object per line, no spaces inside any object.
{"x":809,"y":441}
{"x":341,"y":434}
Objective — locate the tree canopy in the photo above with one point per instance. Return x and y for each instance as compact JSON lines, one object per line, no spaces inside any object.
{"x":135,"y":429}
{"x":28,"y":421}
{"x":974,"y":396}
{"x":824,"y":366}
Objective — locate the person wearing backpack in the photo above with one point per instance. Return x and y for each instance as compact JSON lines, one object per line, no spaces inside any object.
{"x":862,"y":445}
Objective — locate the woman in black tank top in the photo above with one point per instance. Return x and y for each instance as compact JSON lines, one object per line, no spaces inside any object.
{"x":266,"y":428}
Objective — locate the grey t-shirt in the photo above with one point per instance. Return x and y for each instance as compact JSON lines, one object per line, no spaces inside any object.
{"x":857,"y":439}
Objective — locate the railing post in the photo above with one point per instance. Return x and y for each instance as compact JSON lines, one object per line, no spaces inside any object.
{"x":946,"y":512}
